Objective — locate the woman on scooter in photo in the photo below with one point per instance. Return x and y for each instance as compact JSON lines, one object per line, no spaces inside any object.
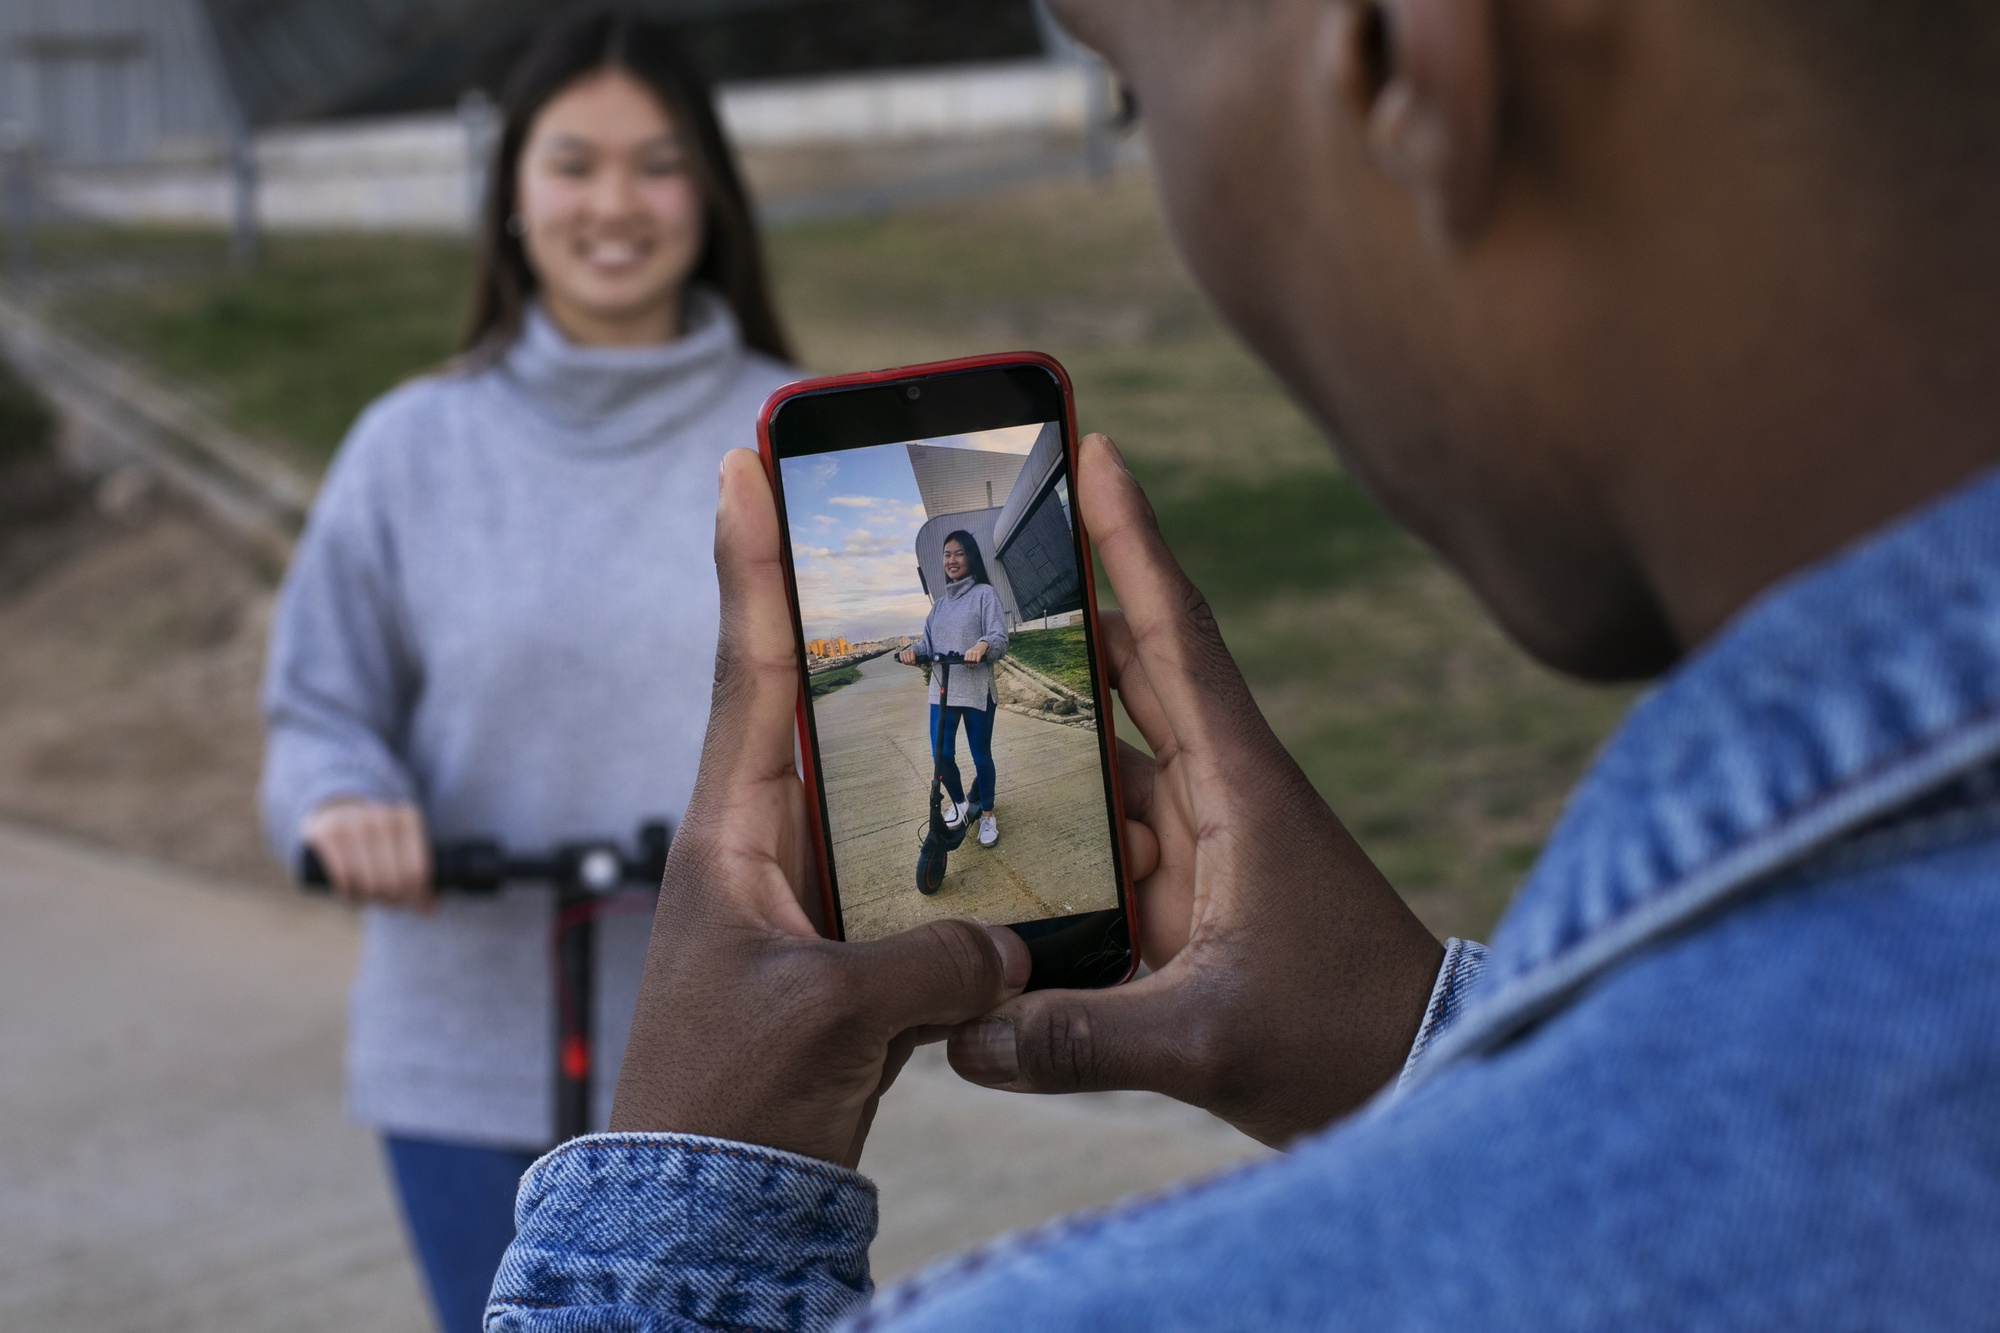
{"x":501,"y":619}
{"x":966,"y":619}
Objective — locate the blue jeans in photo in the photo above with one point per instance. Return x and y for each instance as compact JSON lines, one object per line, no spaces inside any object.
{"x":458,"y":1204}
{"x":978,"y":738}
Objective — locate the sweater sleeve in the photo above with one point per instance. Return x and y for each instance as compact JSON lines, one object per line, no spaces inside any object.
{"x":992,"y":625}
{"x":338,"y":679}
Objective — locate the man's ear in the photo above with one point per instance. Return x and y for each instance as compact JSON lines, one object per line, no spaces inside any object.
{"x":1425,"y":77}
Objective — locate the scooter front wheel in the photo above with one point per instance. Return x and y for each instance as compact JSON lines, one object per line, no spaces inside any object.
{"x":930,"y":866}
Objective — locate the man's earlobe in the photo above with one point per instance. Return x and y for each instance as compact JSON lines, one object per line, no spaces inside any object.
{"x":1425,"y":75}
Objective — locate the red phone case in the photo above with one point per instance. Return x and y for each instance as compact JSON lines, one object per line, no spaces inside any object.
{"x":1107,"y":739}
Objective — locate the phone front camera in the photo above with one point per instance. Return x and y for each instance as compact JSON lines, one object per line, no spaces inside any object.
{"x":913,"y":393}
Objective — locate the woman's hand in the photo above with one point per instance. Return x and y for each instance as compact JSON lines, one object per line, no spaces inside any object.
{"x":908,"y":657}
{"x":977,"y":652}
{"x":1289,"y":978}
{"x":749,"y":1025}
{"x":373,"y":852}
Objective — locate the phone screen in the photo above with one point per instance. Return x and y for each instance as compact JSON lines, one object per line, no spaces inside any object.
{"x":959,"y":747}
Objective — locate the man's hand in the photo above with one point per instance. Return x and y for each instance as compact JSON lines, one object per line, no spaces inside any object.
{"x":373,"y":852}
{"x":977,"y":652}
{"x":1289,"y":978}
{"x":908,"y":657}
{"x":749,"y":1025}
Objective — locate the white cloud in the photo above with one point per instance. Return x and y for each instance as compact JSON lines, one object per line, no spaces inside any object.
{"x":866,"y":589}
{"x":855,"y":501}
{"x":826,"y":469}
{"x":1005,"y":440}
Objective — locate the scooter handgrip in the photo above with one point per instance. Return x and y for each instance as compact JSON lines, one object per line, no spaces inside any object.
{"x":474,"y":866}
{"x":312,"y":872}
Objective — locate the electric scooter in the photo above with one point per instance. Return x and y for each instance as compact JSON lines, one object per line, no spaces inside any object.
{"x":942,"y":839}
{"x":587,"y":876}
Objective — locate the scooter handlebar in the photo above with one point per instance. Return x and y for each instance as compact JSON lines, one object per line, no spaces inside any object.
{"x":480,"y":865}
{"x":464,"y":867}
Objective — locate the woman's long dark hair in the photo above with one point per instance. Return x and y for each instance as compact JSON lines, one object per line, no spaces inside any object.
{"x":975,"y":563}
{"x":571,"y":48}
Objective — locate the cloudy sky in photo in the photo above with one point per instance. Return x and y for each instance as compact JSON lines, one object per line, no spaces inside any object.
{"x":854,"y":517}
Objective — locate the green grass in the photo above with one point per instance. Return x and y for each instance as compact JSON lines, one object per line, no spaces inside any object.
{"x":297,"y":346}
{"x":1059,"y":654}
{"x":1445,"y":749}
{"x":826,"y":682}
{"x":1245,"y":543}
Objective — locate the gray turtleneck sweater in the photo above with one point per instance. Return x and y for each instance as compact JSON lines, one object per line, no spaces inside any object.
{"x":504,"y":609}
{"x":968,"y":613}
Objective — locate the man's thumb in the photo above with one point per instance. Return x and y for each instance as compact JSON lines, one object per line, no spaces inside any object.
{"x":1079,"y":1041}
{"x":940,"y":973}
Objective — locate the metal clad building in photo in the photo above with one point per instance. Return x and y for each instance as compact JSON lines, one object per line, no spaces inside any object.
{"x":1017,"y":509}
{"x":956,"y":481}
{"x":1031,"y":533}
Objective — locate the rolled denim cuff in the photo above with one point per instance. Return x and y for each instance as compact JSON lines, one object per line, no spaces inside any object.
{"x":1464,"y":961}
{"x":677,"y":1232}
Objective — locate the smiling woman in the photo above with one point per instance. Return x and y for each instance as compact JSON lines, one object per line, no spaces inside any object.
{"x":613,"y":186}
{"x":501,"y":619}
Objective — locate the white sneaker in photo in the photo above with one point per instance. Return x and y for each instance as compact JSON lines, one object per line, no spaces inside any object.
{"x":954,"y":812}
{"x":989,"y":832}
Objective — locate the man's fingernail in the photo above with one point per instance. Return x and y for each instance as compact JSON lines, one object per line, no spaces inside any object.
{"x":985,"y":1052}
{"x":1014,"y":954}
{"x":1116,"y":456}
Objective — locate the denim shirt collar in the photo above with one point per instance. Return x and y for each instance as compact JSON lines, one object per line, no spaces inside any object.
{"x":1838,"y":695}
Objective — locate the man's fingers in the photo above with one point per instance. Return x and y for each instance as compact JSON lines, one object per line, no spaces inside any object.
{"x":756,"y":664}
{"x":1127,"y":676}
{"x":1136,"y":775}
{"x":1084,"y":1041}
{"x":1187,"y":667}
{"x":943,"y":972}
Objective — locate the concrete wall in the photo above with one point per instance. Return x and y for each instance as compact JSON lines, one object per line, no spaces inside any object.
{"x":959,"y":102}
{"x":418,"y":173}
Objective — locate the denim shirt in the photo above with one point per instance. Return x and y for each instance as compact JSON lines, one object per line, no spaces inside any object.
{"x":1733,"y":1060}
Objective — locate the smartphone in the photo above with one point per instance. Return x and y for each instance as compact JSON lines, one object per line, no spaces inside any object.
{"x":955,"y":735}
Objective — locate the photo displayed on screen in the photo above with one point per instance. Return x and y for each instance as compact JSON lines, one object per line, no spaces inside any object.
{"x":958,"y":545}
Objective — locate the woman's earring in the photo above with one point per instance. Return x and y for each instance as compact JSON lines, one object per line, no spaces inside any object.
{"x":514,"y":227}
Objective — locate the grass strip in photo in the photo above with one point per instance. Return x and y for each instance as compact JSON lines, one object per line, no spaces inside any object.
{"x":826,"y":682}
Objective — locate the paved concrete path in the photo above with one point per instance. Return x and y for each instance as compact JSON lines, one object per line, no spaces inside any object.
{"x":172,"y":1155}
{"x":1054,"y":855}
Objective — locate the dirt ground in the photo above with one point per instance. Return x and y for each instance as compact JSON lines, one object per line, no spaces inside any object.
{"x":130,"y":646}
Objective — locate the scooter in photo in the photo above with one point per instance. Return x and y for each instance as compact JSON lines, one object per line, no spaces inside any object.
{"x":942,"y":839}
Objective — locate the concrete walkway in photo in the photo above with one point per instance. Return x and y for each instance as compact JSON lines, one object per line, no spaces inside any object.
{"x":172,"y":1154}
{"x":1054,"y":854}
